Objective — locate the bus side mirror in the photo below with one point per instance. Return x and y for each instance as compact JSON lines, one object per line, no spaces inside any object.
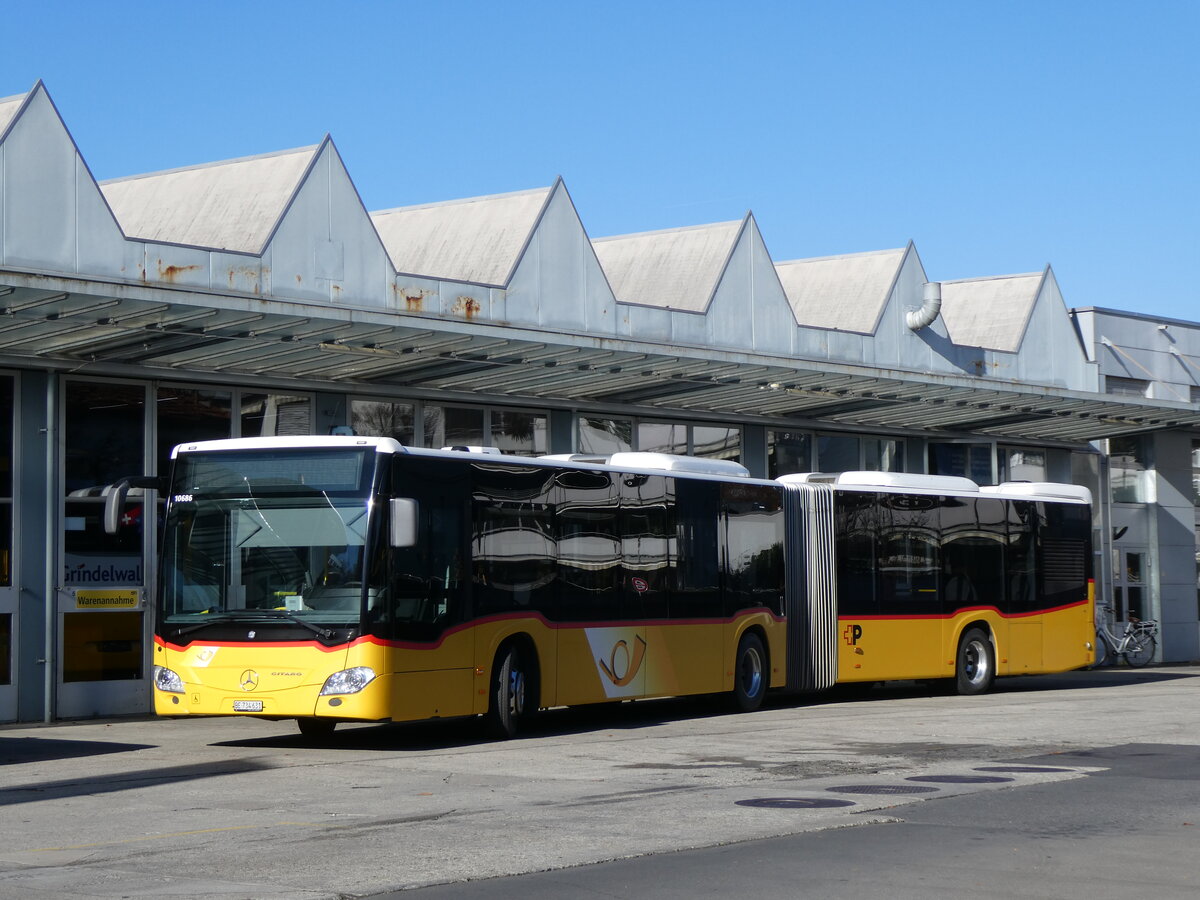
{"x":404,"y":522}
{"x":114,"y":498}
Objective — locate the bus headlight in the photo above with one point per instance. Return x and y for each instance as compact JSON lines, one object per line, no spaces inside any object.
{"x":348,"y":681}
{"x":167,"y":680}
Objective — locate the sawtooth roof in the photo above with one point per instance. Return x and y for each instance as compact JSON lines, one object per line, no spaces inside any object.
{"x":478,"y":239}
{"x":992,"y":313}
{"x":846,"y":293}
{"x":8,"y":109}
{"x":229,"y":205}
{"x":675,"y":269}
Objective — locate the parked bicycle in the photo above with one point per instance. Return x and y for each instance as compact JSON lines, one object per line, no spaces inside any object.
{"x":1136,"y":644}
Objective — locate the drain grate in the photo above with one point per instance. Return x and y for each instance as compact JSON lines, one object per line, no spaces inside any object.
{"x":1021,"y":769}
{"x":961,"y":779}
{"x":881,"y":789}
{"x":795,"y":803}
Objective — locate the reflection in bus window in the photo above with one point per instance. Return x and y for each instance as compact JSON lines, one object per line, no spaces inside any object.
{"x":908,"y":554}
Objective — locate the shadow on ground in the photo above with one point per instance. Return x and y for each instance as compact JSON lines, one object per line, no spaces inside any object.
{"x":633,"y":715}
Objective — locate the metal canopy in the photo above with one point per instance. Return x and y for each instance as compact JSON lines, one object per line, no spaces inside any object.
{"x":154,"y":332}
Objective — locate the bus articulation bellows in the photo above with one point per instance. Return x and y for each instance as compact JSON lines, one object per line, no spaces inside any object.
{"x":333,"y":579}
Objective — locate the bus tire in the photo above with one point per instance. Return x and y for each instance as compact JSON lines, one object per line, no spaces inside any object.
{"x":315,"y":727}
{"x":510,"y":693}
{"x":976,"y":669}
{"x":750,"y":673}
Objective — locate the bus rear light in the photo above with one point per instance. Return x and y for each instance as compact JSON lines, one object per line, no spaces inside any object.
{"x":348,"y":681}
{"x":167,"y":680}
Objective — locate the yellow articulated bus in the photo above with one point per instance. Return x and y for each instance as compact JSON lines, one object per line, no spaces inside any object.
{"x":337,"y":579}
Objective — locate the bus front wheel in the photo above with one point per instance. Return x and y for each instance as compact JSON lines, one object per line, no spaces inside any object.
{"x":750,"y":673}
{"x":976,"y":669}
{"x":510,"y":693}
{"x":314,"y":727}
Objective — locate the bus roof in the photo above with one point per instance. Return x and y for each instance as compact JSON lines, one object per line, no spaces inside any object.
{"x":333,"y":441}
{"x":951,"y":485}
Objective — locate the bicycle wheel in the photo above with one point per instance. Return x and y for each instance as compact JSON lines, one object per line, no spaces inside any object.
{"x":1103,"y":651}
{"x":1140,"y":650}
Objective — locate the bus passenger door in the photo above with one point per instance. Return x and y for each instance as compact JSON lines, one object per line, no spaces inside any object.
{"x":1024,"y":653}
{"x":422,"y":602}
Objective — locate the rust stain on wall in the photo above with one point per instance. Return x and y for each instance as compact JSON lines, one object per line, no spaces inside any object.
{"x":467,"y":307}
{"x":246,"y":275}
{"x":413,"y":298}
{"x":171,"y":273}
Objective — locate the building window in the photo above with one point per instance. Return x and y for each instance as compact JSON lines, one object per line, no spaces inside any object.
{"x":1196,"y":472}
{"x":1127,"y":470}
{"x":716,"y":442}
{"x":104,"y":438}
{"x":6,"y":648}
{"x":273,"y":415}
{"x":1126,"y":387}
{"x":972,"y":461}
{"x":7,"y":430}
{"x":604,"y":436}
{"x":709,"y":441}
{"x":102,"y":646}
{"x":381,"y":418}
{"x":189,"y":414}
{"x":788,"y":452}
{"x":454,"y":426}
{"x":1129,"y":585}
{"x":514,"y":432}
{"x":1021,"y":464}
{"x":518,"y":433}
{"x":883,"y":455}
{"x":663,"y":437}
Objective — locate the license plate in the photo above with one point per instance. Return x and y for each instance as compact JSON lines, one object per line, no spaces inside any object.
{"x":247,"y":706}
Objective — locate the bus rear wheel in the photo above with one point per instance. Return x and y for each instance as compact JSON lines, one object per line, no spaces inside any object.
{"x":511,"y":693}
{"x":976,"y":669}
{"x":750,"y":673}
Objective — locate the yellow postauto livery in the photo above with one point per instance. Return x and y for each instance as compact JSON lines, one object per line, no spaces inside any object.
{"x":353,"y":579}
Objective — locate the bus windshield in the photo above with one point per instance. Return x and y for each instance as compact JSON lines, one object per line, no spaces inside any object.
{"x":284,"y":538}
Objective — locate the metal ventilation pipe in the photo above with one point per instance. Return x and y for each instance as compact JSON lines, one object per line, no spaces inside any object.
{"x":916,"y":319}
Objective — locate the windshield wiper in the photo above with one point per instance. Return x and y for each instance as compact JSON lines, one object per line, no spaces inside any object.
{"x":323,"y":633}
{"x":253,"y":615}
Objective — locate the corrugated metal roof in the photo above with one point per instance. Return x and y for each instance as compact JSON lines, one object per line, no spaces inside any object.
{"x":478,"y":239}
{"x":8,"y":109}
{"x":676,"y":269}
{"x":175,"y":332}
{"x":847,"y":293}
{"x":230,"y":205}
{"x":990,"y":312}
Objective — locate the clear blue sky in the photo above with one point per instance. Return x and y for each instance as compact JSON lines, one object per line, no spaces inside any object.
{"x":999,"y":136}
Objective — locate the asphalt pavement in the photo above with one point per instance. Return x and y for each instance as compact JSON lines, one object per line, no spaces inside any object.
{"x":1056,"y":786}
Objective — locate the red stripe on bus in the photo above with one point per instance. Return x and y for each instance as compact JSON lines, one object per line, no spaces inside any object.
{"x":959,"y":612}
{"x":474,"y":623}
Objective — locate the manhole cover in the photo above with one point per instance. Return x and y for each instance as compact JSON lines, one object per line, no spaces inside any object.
{"x":795,"y":803}
{"x":960,"y":779}
{"x":1021,"y":769}
{"x":881,"y":789}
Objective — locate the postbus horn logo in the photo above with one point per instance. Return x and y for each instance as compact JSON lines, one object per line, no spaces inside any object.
{"x":622,"y":666}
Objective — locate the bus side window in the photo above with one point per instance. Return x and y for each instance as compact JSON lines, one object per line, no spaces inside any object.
{"x":908,"y":555}
{"x":855,"y":530}
{"x":753,"y":573}
{"x":587,"y":532}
